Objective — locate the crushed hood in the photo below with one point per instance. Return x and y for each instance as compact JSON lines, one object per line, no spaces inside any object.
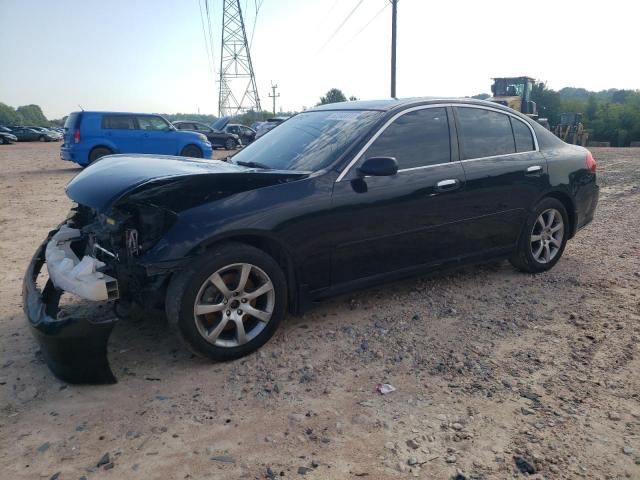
{"x":174,"y":182}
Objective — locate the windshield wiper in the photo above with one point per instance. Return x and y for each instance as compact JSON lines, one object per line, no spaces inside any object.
{"x":252,"y":164}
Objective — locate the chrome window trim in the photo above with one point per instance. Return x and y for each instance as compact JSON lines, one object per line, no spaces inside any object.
{"x":437,"y":105}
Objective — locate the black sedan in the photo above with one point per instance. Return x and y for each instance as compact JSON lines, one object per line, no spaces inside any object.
{"x":246,"y":134}
{"x":339,"y":197}
{"x":217,"y":138}
{"x":6,"y":137}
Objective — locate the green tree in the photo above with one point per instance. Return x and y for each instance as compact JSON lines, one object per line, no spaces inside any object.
{"x":8,"y":116}
{"x":334,"y":95}
{"x":32,"y":115}
{"x":547,"y":101}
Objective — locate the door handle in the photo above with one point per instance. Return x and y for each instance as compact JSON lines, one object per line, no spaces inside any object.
{"x":534,"y":169}
{"x":448,"y":185}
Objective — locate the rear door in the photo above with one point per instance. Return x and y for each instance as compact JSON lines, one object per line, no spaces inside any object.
{"x":505,"y":174}
{"x":122,"y":131}
{"x":157,"y":136}
{"x":400,"y":222}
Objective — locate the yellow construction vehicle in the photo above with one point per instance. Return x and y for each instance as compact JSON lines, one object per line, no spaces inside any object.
{"x":571,"y":130}
{"x":514,"y":92}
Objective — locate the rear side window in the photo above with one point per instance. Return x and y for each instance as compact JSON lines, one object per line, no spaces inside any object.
{"x":484,"y":133}
{"x":73,"y":121}
{"x":522,"y":134}
{"x":118,"y":122}
{"x":416,"y":139}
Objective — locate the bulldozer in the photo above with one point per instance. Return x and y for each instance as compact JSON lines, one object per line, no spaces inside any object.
{"x":571,"y":130}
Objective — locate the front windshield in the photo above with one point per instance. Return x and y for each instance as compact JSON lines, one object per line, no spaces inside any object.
{"x":508,"y":88}
{"x":309,"y":141}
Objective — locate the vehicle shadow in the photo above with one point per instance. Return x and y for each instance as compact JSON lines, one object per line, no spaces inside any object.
{"x":50,"y":171}
{"x":147,"y":346}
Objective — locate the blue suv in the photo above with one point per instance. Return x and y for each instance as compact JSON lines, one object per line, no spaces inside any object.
{"x":91,"y":135}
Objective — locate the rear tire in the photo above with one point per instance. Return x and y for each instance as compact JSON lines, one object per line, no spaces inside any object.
{"x":98,"y":153}
{"x":42,"y":139}
{"x":191,"y":151}
{"x":230,"y":144}
{"x":233,"y":323}
{"x":543,"y":238}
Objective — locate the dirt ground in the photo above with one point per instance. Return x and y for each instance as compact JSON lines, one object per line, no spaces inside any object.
{"x":496,"y":371}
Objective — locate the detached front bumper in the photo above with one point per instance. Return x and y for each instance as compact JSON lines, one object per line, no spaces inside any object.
{"x":75,"y":349}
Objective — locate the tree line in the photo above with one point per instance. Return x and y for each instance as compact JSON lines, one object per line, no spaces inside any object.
{"x":24,"y":115}
{"x":608,"y":115}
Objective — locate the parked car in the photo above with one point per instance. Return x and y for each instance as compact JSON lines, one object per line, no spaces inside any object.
{"x":269,"y":125}
{"x":25,"y":134}
{"x":6,"y":137}
{"x":246,"y":134}
{"x":339,"y":197}
{"x":89,"y":136}
{"x":216,"y":137}
{"x":46,"y":131}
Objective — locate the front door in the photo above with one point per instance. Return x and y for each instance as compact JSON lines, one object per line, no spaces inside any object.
{"x":399,"y":222}
{"x":157,"y":136}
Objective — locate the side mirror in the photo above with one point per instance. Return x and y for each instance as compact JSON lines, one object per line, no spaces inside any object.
{"x":378,"y":167}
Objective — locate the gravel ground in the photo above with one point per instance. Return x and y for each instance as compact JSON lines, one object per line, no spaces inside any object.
{"x":497,"y":372}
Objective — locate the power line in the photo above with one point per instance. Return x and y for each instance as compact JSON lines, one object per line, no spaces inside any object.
{"x":255,"y":21}
{"x":341,"y":25}
{"x":213,"y":55}
{"x":370,"y":21}
{"x":206,"y":42}
{"x":326,"y":15}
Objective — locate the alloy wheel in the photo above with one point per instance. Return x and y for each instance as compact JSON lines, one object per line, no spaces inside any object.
{"x":547,"y":236}
{"x":234,"y":305}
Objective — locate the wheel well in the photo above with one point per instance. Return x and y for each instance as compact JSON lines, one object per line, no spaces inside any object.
{"x":279,"y":253}
{"x":190,"y":145}
{"x":99,"y":146}
{"x":569,"y":207}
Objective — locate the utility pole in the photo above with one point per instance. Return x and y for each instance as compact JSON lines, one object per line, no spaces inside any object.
{"x":394,"y":18}
{"x":274,"y":96}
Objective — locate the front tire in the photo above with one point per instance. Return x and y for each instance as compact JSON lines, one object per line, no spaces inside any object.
{"x":42,"y":139}
{"x":230,"y":144}
{"x":229,"y":303}
{"x":191,"y":151}
{"x":543,"y":238}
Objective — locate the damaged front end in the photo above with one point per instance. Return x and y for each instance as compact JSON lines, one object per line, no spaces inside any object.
{"x":95,"y":258}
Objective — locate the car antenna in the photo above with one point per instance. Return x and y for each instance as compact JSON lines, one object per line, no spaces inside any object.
{"x":81,"y":107}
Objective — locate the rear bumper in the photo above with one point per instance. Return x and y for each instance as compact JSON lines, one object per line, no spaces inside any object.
{"x":75,"y":349}
{"x":588,"y":210}
{"x":66,"y":153}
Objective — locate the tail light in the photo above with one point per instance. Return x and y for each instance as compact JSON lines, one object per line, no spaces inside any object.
{"x":591,"y":163}
{"x":76,"y":137}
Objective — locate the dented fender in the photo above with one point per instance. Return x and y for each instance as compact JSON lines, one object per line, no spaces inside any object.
{"x":75,"y":349}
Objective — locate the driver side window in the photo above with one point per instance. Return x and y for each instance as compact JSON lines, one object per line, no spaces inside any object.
{"x":415,"y":139}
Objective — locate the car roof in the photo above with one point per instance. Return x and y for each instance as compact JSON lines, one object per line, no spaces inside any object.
{"x":94,"y":112}
{"x":401,"y":103}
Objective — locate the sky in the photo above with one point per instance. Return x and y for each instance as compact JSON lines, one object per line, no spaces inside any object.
{"x":150,"y":55}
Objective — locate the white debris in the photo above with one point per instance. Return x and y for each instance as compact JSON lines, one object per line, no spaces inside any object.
{"x":69,"y":273}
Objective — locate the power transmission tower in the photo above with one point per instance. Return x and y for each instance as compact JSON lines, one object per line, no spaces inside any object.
{"x":274,"y":96}
{"x":238,"y":90}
